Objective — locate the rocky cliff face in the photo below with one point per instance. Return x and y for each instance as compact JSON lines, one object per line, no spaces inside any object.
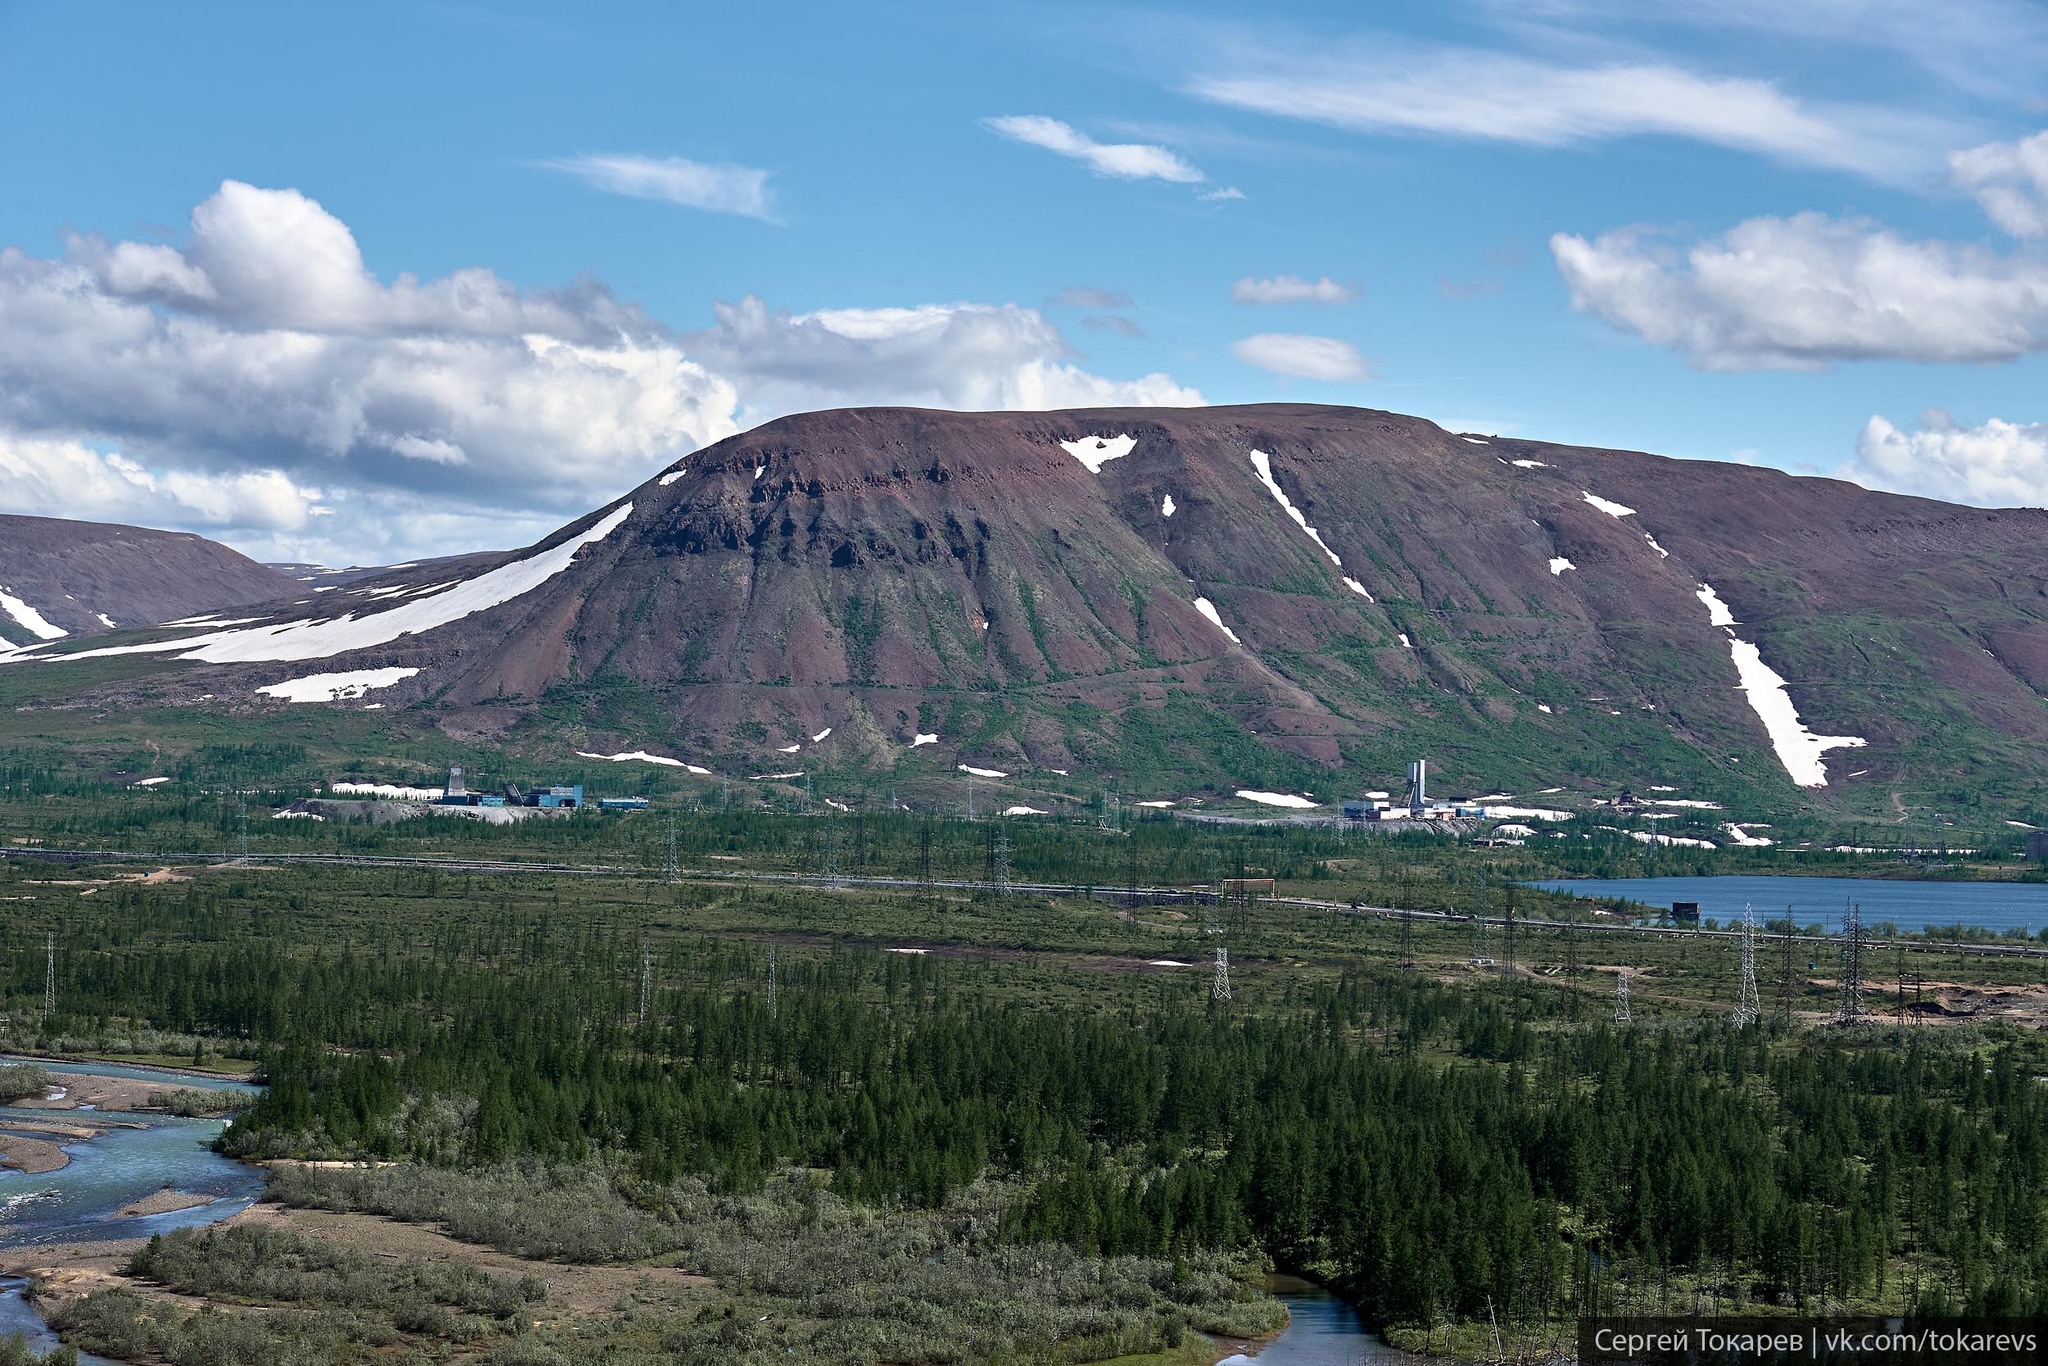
{"x":1234,"y":595}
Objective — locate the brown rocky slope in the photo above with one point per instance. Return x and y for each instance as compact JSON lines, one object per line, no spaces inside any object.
{"x":1520,"y":611}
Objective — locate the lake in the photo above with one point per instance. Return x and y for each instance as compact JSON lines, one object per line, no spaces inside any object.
{"x":1912,"y":906}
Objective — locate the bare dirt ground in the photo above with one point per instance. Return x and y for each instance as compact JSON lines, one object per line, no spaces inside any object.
{"x":65,"y":1271}
{"x":102,"y":1093}
{"x":573,"y":1291}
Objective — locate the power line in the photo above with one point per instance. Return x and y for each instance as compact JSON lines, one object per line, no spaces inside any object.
{"x":831,"y":869}
{"x":646,"y":976}
{"x":1785,"y":979}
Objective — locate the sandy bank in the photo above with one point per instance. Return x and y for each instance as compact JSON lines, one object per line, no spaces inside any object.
{"x":162,"y":1202}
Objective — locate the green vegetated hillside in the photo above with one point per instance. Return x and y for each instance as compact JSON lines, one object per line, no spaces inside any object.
{"x":818,"y":592}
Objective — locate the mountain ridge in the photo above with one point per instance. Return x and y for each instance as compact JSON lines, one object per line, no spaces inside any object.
{"x":1518,"y":609}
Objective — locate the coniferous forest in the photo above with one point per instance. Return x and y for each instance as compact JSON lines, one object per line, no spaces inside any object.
{"x":1438,"y":1145}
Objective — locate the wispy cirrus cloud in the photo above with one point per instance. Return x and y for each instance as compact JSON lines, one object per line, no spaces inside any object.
{"x":1293,"y":289}
{"x":1111,"y":160}
{"x":715,"y":188}
{"x":1295,"y":356}
{"x":1395,"y":87}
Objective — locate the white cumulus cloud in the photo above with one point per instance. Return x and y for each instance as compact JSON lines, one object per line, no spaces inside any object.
{"x":258,"y":383}
{"x":1797,"y":293}
{"x":2010,"y":179}
{"x":968,"y":356}
{"x":1114,"y":160}
{"x":1293,"y":289}
{"x":1994,"y":464}
{"x":717,"y":188}
{"x":1302,"y":357}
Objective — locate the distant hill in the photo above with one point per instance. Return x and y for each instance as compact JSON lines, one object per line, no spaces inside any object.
{"x":1276,"y":595}
{"x":62,"y":579}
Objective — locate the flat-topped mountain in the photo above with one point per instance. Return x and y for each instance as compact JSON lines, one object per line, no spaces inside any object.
{"x":1282,"y":593}
{"x":61,"y":579}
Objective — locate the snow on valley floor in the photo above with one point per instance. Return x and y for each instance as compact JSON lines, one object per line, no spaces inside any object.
{"x":1286,"y":799}
{"x":1097,"y":451}
{"x":321,"y":639}
{"x":390,"y":792}
{"x":1263,"y":464}
{"x":339,"y":687}
{"x":1801,"y":751}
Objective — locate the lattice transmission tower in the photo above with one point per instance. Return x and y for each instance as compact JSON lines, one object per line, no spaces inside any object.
{"x":1748,"y":1005}
{"x":1622,"y":1014}
{"x":1219,"y":987}
{"x":49,"y":977}
{"x":671,"y":868}
{"x":1004,"y":885}
{"x":1852,"y":963}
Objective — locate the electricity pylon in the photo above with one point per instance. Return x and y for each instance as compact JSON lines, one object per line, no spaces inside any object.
{"x":1621,"y":1010}
{"x":1219,"y":988}
{"x":1748,"y":1007}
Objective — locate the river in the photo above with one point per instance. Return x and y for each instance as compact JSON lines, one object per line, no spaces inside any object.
{"x":1322,"y":1330}
{"x":76,"y":1203}
{"x":1912,"y":906}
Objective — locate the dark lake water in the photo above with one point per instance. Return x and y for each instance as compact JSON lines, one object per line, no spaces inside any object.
{"x":1912,"y":906}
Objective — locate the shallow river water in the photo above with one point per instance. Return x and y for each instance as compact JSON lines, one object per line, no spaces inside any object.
{"x":76,"y":1203}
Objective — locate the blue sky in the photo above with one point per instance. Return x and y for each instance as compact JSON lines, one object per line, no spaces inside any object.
{"x":589,"y":243}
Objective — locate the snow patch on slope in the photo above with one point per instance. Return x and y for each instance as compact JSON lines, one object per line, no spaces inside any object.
{"x":1208,"y":609}
{"x":1612,"y":509}
{"x":322,"y":639}
{"x":1797,"y":747}
{"x":1263,"y":463}
{"x":29,"y":619}
{"x":1097,"y":451}
{"x":335,"y":687}
{"x":924,"y":737}
{"x":640,"y":756}
{"x":1529,"y":464}
{"x":983,"y":772}
{"x":1558,"y":564}
{"x":1166,"y":507}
